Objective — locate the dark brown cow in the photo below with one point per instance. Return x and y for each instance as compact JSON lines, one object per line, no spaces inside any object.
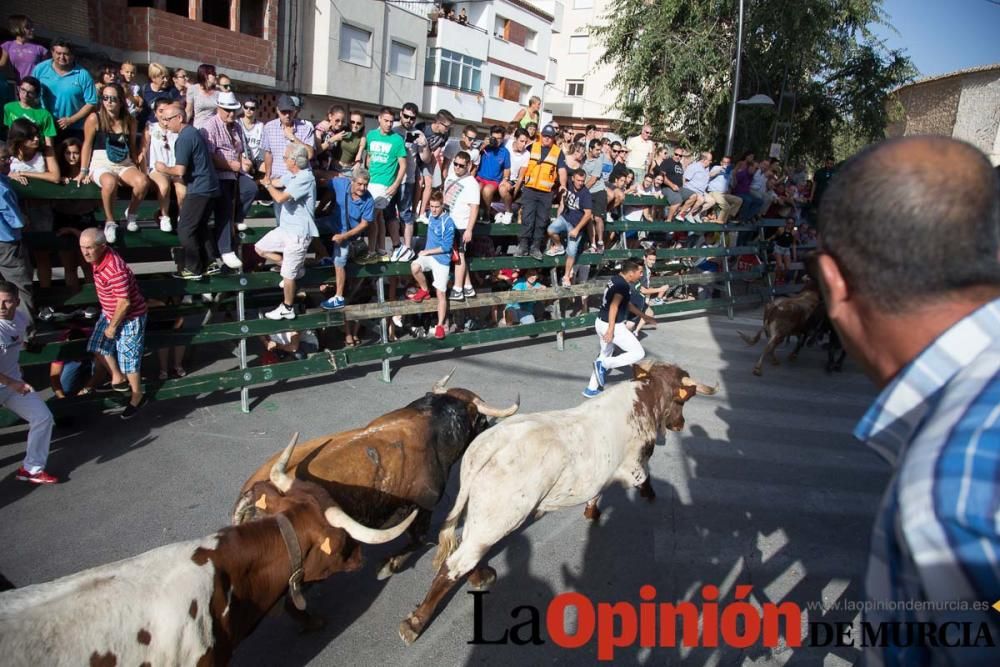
{"x":784,"y":317}
{"x":398,"y":462}
{"x":189,"y":602}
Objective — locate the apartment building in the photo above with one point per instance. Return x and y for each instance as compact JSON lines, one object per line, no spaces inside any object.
{"x":242,"y":38}
{"x":486,"y":68}
{"x":583,"y":91}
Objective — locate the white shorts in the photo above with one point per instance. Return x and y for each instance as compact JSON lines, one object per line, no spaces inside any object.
{"x":438,"y":270}
{"x":378,"y":194}
{"x":100,"y":164}
{"x":783,"y":251}
{"x":291,"y":247}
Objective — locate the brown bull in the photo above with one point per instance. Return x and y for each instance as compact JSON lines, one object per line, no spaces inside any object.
{"x":397,"y":463}
{"x":784,"y":317}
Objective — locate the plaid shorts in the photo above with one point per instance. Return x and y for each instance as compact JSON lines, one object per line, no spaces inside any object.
{"x":126,"y":346}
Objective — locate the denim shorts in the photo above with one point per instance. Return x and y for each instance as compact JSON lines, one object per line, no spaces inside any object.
{"x":560,"y":226}
{"x":341,"y":253}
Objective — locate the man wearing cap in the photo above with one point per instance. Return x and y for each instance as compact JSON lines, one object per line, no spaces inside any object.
{"x":225,"y":140}
{"x":279,"y":133}
{"x":545,"y":164}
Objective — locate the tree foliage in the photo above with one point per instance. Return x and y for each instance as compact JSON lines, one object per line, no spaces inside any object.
{"x":674,"y":66}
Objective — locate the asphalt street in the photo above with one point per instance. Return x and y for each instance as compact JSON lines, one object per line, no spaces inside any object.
{"x":764,"y":487}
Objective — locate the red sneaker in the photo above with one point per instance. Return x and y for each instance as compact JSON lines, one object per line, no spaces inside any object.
{"x":439,"y":332}
{"x":419,"y":295}
{"x":40,"y":477}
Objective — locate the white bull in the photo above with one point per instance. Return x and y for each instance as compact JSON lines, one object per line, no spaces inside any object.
{"x":541,"y":462}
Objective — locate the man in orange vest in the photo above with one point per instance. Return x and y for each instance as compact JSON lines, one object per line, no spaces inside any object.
{"x":540,"y":180}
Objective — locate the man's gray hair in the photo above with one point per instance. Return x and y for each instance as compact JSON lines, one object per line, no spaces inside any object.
{"x":361,"y":174}
{"x":96,"y":235}
{"x":299,"y":154}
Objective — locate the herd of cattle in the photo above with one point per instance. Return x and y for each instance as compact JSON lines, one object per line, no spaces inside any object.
{"x":305,"y":513}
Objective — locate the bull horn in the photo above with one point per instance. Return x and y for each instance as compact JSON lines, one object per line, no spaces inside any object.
{"x":338,"y":518}
{"x":699,"y":388}
{"x":278,"y":476}
{"x":439,"y":386}
{"x":489,"y":411}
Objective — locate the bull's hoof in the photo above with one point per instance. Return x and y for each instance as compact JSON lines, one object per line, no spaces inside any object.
{"x":482,"y":578}
{"x":410,"y":629}
{"x":385,"y":571}
{"x":793,"y":356}
{"x":757,"y":371}
{"x":310,"y":623}
{"x":591,"y":512}
{"x":839,"y":367}
{"x":646,"y":491}
{"x":775,"y":362}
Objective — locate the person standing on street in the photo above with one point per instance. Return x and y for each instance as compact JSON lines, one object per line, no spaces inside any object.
{"x":17,"y":395}
{"x":611,"y":327}
{"x":545,"y":165}
{"x":922,"y":318}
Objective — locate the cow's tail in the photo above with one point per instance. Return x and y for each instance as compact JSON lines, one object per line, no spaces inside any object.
{"x":751,"y":341}
{"x":447,"y":542}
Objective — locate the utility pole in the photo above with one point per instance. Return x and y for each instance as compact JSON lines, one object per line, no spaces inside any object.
{"x":736,"y":83}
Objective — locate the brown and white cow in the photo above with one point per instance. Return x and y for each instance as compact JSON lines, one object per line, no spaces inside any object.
{"x":397,"y":463}
{"x":784,"y":317}
{"x":188,"y":603}
{"x":546,"y":461}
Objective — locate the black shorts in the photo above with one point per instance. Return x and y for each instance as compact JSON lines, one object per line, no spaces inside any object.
{"x":599,"y":204}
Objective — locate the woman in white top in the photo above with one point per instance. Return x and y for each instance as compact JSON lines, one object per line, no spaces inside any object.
{"x":30,"y":160}
{"x":202,"y":97}
{"x":158,"y":146}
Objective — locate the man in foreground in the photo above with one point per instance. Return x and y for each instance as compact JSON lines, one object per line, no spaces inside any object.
{"x":923,"y":319}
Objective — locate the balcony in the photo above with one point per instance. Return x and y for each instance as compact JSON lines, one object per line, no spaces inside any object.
{"x":461,"y":38}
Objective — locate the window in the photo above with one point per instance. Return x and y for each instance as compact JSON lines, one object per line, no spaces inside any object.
{"x":179,"y":7}
{"x":215,"y":13}
{"x":140,"y":3}
{"x":505,"y":89}
{"x":453,"y":70}
{"x":578,"y":43}
{"x":583,"y":4}
{"x":574,"y":88}
{"x":355,"y":45}
{"x":252,"y":17}
{"x":530,"y":40}
{"x":501,"y":26}
{"x":402,"y":60}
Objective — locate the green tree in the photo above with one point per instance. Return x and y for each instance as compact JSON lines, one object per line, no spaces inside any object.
{"x":674,"y":66}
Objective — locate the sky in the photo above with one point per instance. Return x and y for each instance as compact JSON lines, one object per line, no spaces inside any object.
{"x":942,"y":36}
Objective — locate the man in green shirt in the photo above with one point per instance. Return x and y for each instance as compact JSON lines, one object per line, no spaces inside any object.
{"x":29,"y":106}
{"x":387,"y":166}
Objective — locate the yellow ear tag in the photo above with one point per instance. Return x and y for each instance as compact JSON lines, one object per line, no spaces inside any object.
{"x":683,"y":393}
{"x":261,"y":503}
{"x":325,"y":547}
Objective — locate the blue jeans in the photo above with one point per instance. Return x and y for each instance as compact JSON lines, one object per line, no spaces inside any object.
{"x":403,"y":203}
{"x":560,"y":226}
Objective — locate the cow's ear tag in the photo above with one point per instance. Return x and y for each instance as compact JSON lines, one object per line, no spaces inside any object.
{"x":261,"y":503}
{"x":325,"y":547}
{"x":639,"y":373}
{"x":682,"y":393}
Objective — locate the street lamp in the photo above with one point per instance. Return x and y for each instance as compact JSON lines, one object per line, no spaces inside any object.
{"x":756,"y":100}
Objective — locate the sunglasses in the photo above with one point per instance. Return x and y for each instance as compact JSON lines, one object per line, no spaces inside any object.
{"x":470,"y":137}
{"x":678,"y":155}
{"x":109,"y":98}
{"x":460,"y":165}
{"x":357,"y":122}
{"x":250,"y":107}
{"x":30,"y":92}
{"x":225,"y":86}
{"x":408,"y":116}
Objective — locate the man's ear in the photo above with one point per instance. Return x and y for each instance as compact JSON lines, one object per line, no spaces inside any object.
{"x":832,"y":285}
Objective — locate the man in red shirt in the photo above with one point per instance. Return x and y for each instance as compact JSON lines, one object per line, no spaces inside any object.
{"x":120,"y":330}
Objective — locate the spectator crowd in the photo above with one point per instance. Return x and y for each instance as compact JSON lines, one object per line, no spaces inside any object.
{"x":402,"y":190}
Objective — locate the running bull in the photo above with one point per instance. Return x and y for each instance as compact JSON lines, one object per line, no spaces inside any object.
{"x":786,"y":316}
{"x":537,"y":463}
{"x":188,"y":603}
{"x":398,"y":462}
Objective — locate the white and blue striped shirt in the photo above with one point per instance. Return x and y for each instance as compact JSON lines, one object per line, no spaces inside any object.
{"x":937,"y":535}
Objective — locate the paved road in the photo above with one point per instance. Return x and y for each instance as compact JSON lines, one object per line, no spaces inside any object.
{"x":764,"y":487}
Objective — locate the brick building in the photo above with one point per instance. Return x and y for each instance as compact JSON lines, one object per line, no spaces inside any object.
{"x":246,"y":39}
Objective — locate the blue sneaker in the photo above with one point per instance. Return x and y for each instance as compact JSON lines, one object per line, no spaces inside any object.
{"x":591,"y":393}
{"x":333,"y":303}
{"x":602,"y":372}
{"x":326,"y":261}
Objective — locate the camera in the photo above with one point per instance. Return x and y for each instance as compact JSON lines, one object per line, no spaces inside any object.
{"x":411,"y":137}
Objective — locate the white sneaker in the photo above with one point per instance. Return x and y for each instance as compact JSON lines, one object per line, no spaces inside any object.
{"x":241,"y":227}
{"x":110,"y":231}
{"x":697,"y":218}
{"x":282,"y":312}
{"x":231,"y":260}
{"x":406,"y":254}
{"x":132,"y":226}
{"x":165,"y":225}
{"x":499,"y":219}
